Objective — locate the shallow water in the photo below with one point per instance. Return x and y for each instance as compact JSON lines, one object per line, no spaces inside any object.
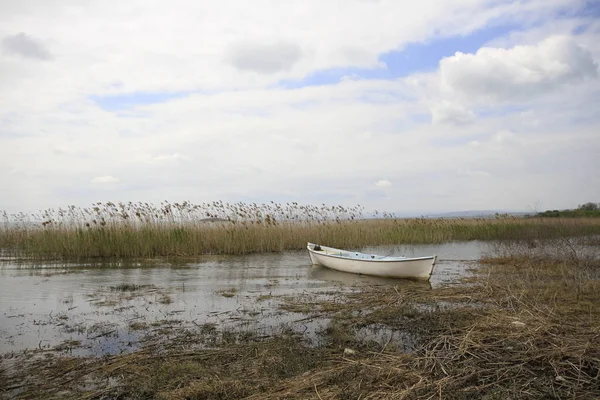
{"x":77,"y":307}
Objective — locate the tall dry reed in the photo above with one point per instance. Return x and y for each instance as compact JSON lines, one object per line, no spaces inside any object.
{"x":141,"y":230}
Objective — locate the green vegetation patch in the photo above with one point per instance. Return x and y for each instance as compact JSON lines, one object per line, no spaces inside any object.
{"x":587,"y":210}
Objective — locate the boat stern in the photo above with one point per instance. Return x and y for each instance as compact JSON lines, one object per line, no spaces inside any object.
{"x":311,"y":247}
{"x":432,"y":266}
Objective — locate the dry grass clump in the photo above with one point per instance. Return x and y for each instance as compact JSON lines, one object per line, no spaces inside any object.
{"x":4,"y":381}
{"x":229,"y":292}
{"x":525,"y":329}
{"x":539,"y":337}
{"x":242,"y":365}
{"x":129,"y":287}
{"x":140,"y":230}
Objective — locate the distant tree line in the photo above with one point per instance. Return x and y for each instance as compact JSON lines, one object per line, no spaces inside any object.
{"x":584,"y":210}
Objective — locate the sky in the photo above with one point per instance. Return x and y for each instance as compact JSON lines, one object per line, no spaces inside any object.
{"x":399,"y":106}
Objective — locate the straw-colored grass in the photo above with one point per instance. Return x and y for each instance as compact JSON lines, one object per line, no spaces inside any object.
{"x":142,"y":231}
{"x":526,"y":327}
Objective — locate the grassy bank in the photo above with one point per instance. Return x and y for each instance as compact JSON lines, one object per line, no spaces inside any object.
{"x":527,"y":326}
{"x":587,"y":210}
{"x":133,"y":231}
{"x":569,"y":214}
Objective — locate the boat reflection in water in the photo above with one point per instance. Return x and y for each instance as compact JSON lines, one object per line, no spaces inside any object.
{"x":349,"y":279}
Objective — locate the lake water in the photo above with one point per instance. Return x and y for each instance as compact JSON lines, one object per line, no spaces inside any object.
{"x":46,"y":305}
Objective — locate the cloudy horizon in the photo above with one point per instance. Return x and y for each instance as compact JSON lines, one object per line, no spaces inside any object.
{"x":407,"y":107}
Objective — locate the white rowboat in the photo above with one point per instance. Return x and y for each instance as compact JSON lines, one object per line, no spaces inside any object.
{"x":371,"y":264}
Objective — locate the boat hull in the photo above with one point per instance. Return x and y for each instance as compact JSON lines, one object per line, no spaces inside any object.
{"x":366,"y":264}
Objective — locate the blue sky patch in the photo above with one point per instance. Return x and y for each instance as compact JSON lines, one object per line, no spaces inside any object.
{"x":591,"y":8}
{"x":425,"y":56}
{"x":413,"y":58}
{"x":126,"y":101}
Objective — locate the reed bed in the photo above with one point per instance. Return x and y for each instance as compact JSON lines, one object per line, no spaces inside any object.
{"x":140,"y":230}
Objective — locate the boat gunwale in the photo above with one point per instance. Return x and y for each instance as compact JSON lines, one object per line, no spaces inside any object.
{"x":395,"y":260}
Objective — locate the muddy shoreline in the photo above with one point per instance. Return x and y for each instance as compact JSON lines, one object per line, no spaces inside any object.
{"x":108,"y":308}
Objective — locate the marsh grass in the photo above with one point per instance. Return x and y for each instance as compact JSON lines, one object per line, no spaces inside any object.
{"x":139,"y":230}
{"x":165,"y":299}
{"x":527,"y":326}
{"x":129,"y":287}
{"x":138,"y":326}
{"x":230,"y":292}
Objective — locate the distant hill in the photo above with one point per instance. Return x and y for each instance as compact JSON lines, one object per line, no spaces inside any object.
{"x":477,"y":214}
{"x":454,"y":214}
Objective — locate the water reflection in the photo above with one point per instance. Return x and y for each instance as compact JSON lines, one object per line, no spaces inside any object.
{"x":47,"y":304}
{"x":348,"y":279}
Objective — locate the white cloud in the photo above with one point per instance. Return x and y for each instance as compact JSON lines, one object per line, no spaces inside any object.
{"x":25,"y":46}
{"x":104,"y":179}
{"x":183,"y":45}
{"x":521,"y":72}
{"x":264,"y":59}
{"x":383,"y":183}
{"x":170,"y":157}
{"x":469,"y":172}
{"x":447,"y":112}
{"x":236,"y":134}
{"x":505,"y":138}
{"x":62,"y":150}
